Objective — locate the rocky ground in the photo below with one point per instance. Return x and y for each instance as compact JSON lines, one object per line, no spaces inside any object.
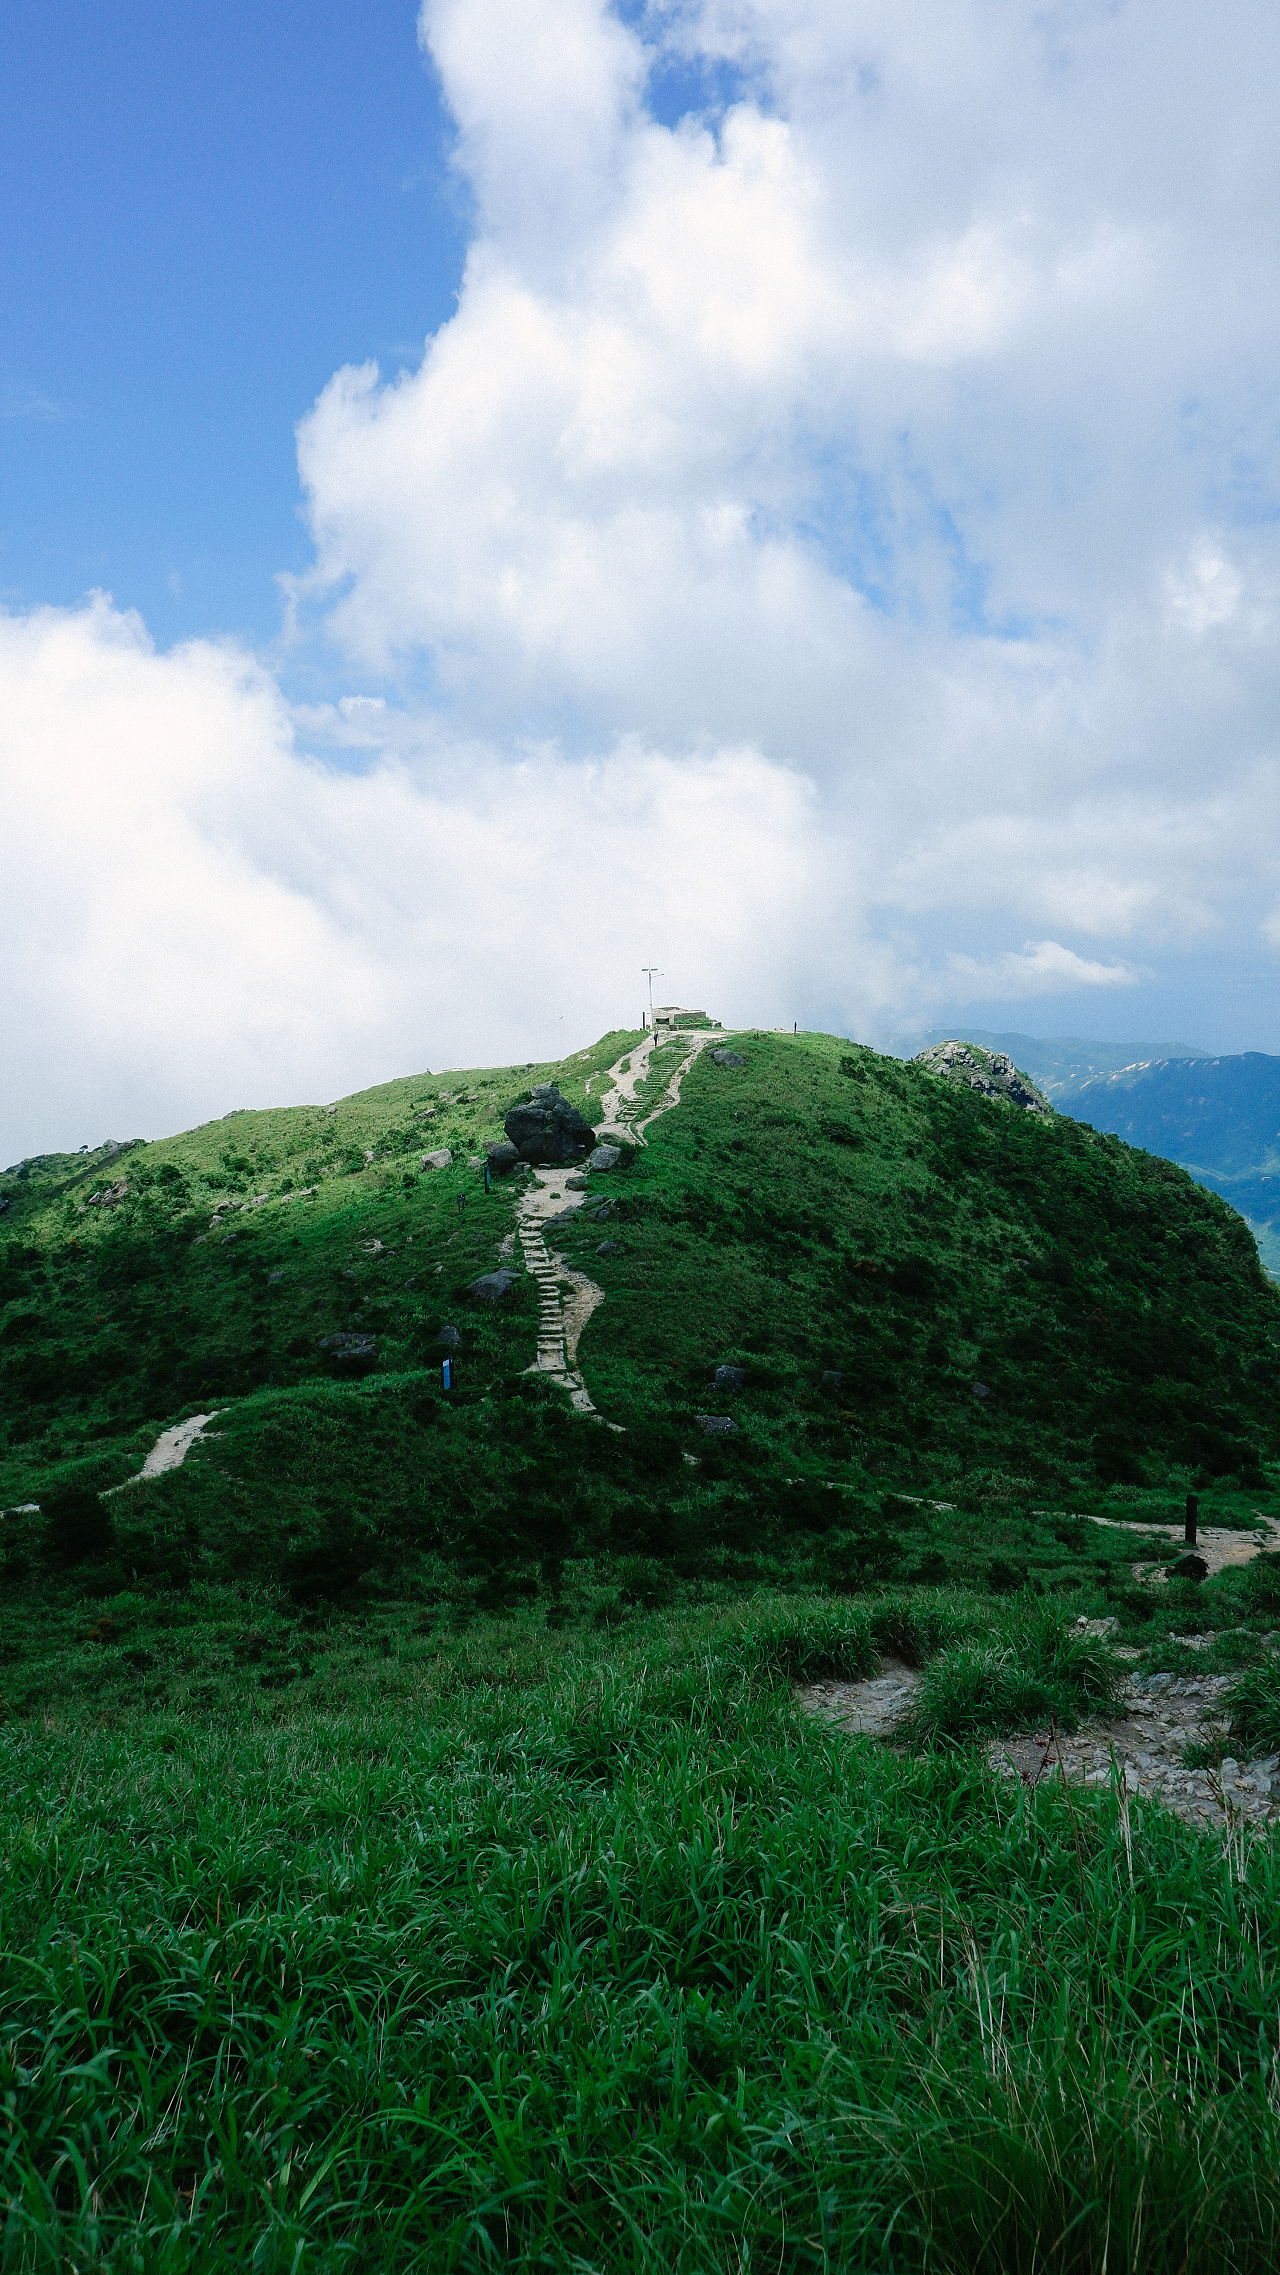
{"x":1165,"y":1716}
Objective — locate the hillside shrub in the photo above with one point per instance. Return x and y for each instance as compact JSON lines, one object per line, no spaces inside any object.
{"x":79,"y":1526}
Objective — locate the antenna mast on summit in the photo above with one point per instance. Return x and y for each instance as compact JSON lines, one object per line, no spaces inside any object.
{"x":653,"y":973}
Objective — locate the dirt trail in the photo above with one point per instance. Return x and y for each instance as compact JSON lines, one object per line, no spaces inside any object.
{"x":171,"y":1448}
{"x":559,"y":1327}
{"x":619,"y":1105}
{"x":1218,"y":1546}
{"x":566,"y":1297}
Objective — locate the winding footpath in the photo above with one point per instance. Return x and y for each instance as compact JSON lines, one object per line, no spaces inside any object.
{"x":566,"y":1297}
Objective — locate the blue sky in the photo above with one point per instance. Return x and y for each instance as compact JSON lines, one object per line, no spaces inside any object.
{"x":205,"y":212}
{"x":499,"y":493}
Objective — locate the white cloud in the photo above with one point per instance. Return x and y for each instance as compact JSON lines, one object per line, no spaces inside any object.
{"x":836,"y":537}
{"x":195,"y":915}
{"x":1041,"y":967}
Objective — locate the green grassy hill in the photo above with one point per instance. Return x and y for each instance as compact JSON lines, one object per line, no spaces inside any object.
{"x":1001,"y":1298}
{"x":412,"y":1855}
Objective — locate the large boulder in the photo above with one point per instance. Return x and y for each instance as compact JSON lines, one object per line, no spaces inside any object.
{"x":604,"y":1157}
{"x":492,"y":1286}
{"x":548,"y":1130}
{"x":440,"y":1159}
{"x":501,"y":1154}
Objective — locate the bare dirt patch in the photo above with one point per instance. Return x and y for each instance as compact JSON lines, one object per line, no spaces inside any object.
{"x":1143,"y":1750}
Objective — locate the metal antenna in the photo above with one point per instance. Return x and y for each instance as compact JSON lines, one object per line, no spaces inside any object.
{"x":653,"y":974}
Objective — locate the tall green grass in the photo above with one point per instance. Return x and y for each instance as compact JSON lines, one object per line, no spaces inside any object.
{"x":573,"y":1963}
{"x":1253,"y":1708}
{"x":1029,"y":1671}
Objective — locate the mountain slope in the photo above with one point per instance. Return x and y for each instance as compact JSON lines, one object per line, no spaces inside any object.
{"x":1219,"y":1117}
{"x":923,"y":1291}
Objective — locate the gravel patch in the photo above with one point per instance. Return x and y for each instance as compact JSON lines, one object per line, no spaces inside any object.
{"x":1145,"y":1747}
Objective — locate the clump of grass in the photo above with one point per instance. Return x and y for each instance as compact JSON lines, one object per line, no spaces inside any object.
{"x":811,"y":1641}
{"x":1253,"y":1708}
{"x":1031,"y":1671}
{"x":823,"y":1641}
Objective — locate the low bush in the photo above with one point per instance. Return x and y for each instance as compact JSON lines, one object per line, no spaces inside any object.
{"x":78,"y":1524}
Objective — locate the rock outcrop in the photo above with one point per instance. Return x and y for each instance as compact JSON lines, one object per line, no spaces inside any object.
{"x":548,"y":1130}
{"x":502,"y":1155}
{"x":991,"y":1073}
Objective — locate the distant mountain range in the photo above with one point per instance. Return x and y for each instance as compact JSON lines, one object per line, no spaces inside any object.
{"x":1218,"y":1116}
{"x":1060,"y":1064}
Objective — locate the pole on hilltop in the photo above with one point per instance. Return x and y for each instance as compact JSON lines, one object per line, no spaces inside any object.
{"x":653,"y":973}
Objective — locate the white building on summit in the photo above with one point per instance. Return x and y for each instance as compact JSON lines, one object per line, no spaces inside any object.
{"x":668,"y":1017}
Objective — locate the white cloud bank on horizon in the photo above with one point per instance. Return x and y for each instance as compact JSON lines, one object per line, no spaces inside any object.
{"x":832,"y":547}
{"x":210,"y":898}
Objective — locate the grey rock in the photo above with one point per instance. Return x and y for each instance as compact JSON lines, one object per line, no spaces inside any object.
{"x":501,"y":1155}
{"x":980,"y":1390}
{"x":728,"y":1058}
{"x":991,"y":1073}
{"x":441,"y":1159}
{"x":492,"y":1286}
{"x":603,"y":1213}
{"x":274,"y":1278}
{"x":577,"y":1184}
{"x":350,"y":1353}
{"x":607,"y":1248}
{"x":450,"y":1337}
{"x":832,"y":1378}
{"x":549,"y":1129}
{"x":716,"y":1425}
{"x":730,"y":1378}
{"x":604,"y":1157}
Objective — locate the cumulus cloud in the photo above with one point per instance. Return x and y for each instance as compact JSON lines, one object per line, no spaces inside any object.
{"x":198,"y":914}
{"x":833,"y":548}
{"x":868,"y":419}
{"x":1041,"y":967}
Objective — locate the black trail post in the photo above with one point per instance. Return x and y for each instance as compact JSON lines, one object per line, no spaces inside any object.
{"x":1193,"y":1511}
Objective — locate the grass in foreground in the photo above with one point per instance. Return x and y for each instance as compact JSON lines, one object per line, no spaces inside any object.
{"x":517,"y":1955}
